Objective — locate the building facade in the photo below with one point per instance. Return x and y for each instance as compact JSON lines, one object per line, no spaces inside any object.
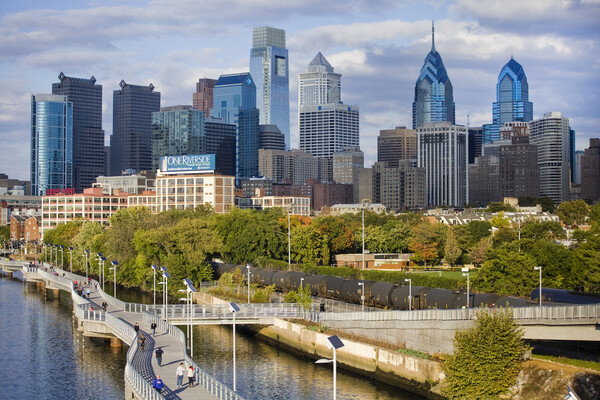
{"x":295,"y":204}
{"x":294,"y":166}
{"x":51,"y":143}
{"x":442,"y":151}
{"x":396,"y":144}
{"x":130,"y":184}
{"x":131,"y":140}
{"x":475,"y":142}
{"x":270,"y":70}
{"x":270,"y":138}
{"x":512,"y":100}
{"x":551,"y":136}
{"x":519,"y":173}
{"x":434,"y":98}
{"x":484,"y":181}
{"x":590,"y":172}
{"x":203,"y":97}
{"x":346,"y":167}
{"x":220,"y":139}
{"x":89,"y":161}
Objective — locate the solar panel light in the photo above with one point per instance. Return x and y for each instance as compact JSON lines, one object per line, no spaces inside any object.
{"x":154,"y":266}
{"x":334,"y":342}
{"x":99,"y":254}
{"x":163,"y":268}
{"x":113,"y":262}
{"x":70,"y":248}
{"x":233,"y":308}
{"x":189,"y":285}
{"x":166,"y":274}
{"x":103,"y":258}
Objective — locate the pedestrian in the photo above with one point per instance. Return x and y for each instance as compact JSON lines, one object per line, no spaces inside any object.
{"x":87,"y":292}
{"x":180,"y":372}
{"x":153,"y":327}
{"x":159,"y":353}
{"x":136,"y":328}
{"x":158,"y":384}
{"x":104,"y":305}
{"x":89,"y":280}
{"x":190,"y":376}
{"x":142,"y":342}
{"x":96,"y":286}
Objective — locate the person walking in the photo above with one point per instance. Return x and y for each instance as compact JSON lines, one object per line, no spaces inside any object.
{"x":180,"y":371}
{"x":87,"y":292}
{"x":136,"y":328}
{"x":104,"y":305}
{"x":159,"y":353}
{"x":153,"y":327}
{"x":158,"y":384}
{"x":190,"y":376}
{"x":142,"y":342}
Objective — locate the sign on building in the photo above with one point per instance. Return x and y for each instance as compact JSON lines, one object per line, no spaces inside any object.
{"x":194,"y":163}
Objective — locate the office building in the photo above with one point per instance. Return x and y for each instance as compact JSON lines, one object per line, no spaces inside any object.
{"x":512,"y":100}
{"x":519,"y":173}
{"x":131,"y":140}
{"x":203,"y":97}
{"x":551,"y":135}
{"x":234,"y":102}
{"x":51,"y":143}
{"x":296,"y":205}
{"x":475,"y":142}
{"x":396,"y":144}
{"x":442,"y":151}
{"x":293,"y":166}
{"x":590,"y":172}
{"x":131,"y":184}
{"x":177,"y":130}
{"x":220,"y":140}
{"x":326,"y":125}
{"x":270,"y":71}
{"x":270,"y":138}
{"x":577,"y":167}
{"x":257,"y":185}
{"x":434,"y":98}
{"x":7,"y":185}
{"x":346,"y":167}
{"x":89,"y":160}
{"x":484,"y":181}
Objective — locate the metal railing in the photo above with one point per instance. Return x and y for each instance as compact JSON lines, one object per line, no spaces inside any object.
{"x":212,"y":385}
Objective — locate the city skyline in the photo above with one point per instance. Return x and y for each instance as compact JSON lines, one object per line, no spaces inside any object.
{"x":378,"y":48}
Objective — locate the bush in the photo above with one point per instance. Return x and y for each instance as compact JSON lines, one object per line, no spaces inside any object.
{"x":487,"y":357}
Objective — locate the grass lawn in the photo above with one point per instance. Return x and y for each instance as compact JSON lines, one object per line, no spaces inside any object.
{"x":456,"y":275}
{"x":570,"y":361}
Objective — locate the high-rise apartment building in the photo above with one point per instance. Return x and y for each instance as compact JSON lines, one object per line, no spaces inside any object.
{"x":234,"y":101}
{"x":346,"y":167}
{"x":512,"y":100}
{"x":396,"y":144}
{"x":484,"y":181}
{"x":434,"y":98}
{"x":442,"y":151}
{"x":270,"y":138}
{"x":270,"y":71}
{"x":590,"y":172}
{"x":89,"y":161}
{"x":51,"y":143}
{"x":551,"y":135}
{"x":203,"y":97}
{"x":519,"y":173}
{"x":177,"y":131}
{"x":131,"y":140}
{"x":326,"y":125}
{"x":294,"y":166}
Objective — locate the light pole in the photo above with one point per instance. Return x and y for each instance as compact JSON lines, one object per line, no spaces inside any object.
{"x":334,"y":342}
{"x":233,"y":308}
{"x":362,"y":294}
{"x":301,"y":280}
{"x":466,"y":273}
{"x":165,"y":277}
{"x":103,"y":273}
{"x":154,"y":268}
{"x":62,"y":257}
{"x":190,"y":289}
{"x":71,"y":259}
{"x":86,"y":252}
{"x":539,"y":268}
{"x":248,"y":268}
{"x":114,"y":268}
{"x":56,"y":255}
{"x":289,"y":212}
{"x":365,"y":203}
{"x":409,"y":293}
{"x":99,"y":267}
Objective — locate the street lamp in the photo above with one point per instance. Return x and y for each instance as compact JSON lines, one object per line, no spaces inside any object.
{"x":154,"y":268}
{"x":62,"y":257}
{"x":233,"y":308}
{"x":365,"y":203}
{"x":86,"y":252}
{"x":190,"y":289}
{"x":56,"y":255}
{"x":301,"y":280}
{"x":539,"y":269}
{"x":99,"y":267}
{"x":334,"y":342}
{"x":248,"y":268}
{"x":103,"y":273}
{"x":165,"y":283}
{"x":465,"y":272}
{"x":409,"y":280}
{"x":114,"y":268}
{"x":71,"y":259}
{"x":362,"y":294}
{"x":289,"y":212}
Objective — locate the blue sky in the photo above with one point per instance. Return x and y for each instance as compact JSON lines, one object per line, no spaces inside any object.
{"x":378,"y":47}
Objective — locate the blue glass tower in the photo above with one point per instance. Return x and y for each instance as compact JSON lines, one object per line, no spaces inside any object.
{"x":234,"y":101}
{"x":51,"y":143}
{"x":434,"y":98}
{"x":512,"y":100}
{"x":269,"y":68}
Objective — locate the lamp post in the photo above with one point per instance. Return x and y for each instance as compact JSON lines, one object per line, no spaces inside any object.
{"x":362,"y":294}
{"x":365,"y":203}
{"x":154,"y":268}
{"x":100,"y":267}
{"x":289,"y":212}
{"x":62,"y":257}
{"x":86,"y":252}
{"x":409,"y":293}
{"x":190,"y":289}
{"x":56,"y":255}
{"x":103,"y":273}
{"x":233,"y":308}
{"x":114,"y":268}
{"x":248,"y":268}
{"x":539,"y":268}
{"x":465,"y":272}
{"x":334,"y":343}
{"x":71,"y":259}
{"x":165,"y":278}
{"x":301,"y":280}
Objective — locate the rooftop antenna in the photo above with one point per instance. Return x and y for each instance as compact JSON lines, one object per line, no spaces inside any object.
{"x":432,"y":36}
{"x":468,"y":123}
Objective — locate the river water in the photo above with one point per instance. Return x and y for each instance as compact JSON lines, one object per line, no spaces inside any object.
{"x":43,"y":356}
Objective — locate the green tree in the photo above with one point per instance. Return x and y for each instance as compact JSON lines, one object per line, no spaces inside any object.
{"x":573,"y":213}
{"x":500,"y":221}
{"x":487,"y":357}
{"x":424,"y":243}
{"x":4,"y":232}
{"x":497,"y":206}
{"x":546,"y":202}
{"x":478,"y":252}
{"x":451,"y":249}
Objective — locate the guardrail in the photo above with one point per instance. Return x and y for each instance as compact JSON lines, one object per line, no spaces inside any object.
{"x":212,"y":385}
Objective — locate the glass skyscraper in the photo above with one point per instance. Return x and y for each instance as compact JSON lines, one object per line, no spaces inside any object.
{"x":270,"y":71}
{"x":89,"y":159}
{"x":234,"y":102}
{"x":434,"y":99}
{"x":51,"y":143}
{"x":512,"y":100}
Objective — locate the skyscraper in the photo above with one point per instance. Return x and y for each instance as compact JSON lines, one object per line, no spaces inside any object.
{"x":590,"y":172}
{"x":551,"y":134}
{"x":519,"y":172}
{"x":51,"y":143}
{"x":130,"y":143}
{"x":269,"y":69}
{"x":397,"y":144}
{"x":512,"y":100}
{"x":234,"y":101}
{"x":203,"y":98}
{"x":442,"y":151}
{"x":434,"y":99}
{"x":89,"y":160}
{"x":326,"y":125}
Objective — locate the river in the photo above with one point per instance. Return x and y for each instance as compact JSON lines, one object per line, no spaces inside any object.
{"x":43,"y":356}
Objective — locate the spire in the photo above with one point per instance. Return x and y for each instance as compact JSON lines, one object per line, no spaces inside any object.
{"x":432,"y":36}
